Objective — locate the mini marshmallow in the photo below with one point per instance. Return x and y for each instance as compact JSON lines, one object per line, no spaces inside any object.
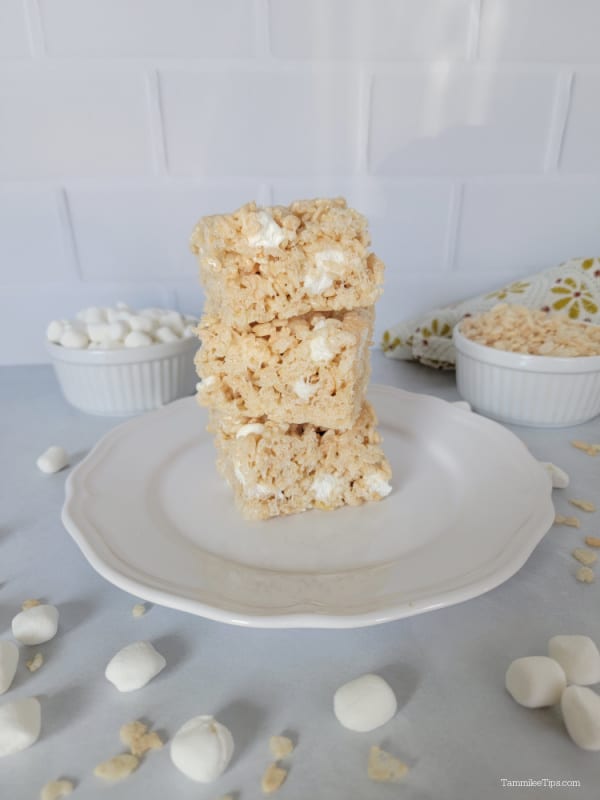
{"x":173,"y":320}
{"x":9,"y":658}
{"x":137,"y":339}
{"x":578,"y":656}
{"x":53,"y":460}
{"x":165,"y":334}
{"x":117,"y":331}
{"x":581,"y":712}
{"x":134,"y":666}
{"x":35,"y":625}
{"x":98,"y":331}
{"x":365,"y":703}
{"x":202,"y":748}
{"x":137,"y":322}
{"x":535,"y":681}
{"x":560,"y":479}
{"x":91,"y":315}
{"x":20,"y":724}
{"x":54,"y":331}
{"x":189,"y":331}
{"x":74,"y":338}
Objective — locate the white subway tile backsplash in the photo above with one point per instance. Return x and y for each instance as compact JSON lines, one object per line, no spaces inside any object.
{"x":417,"y":30}
{"x":128,"y":28}
{"x":408,"y":221}
{"x":256,"y":122}
{"x":581,"y":143}
{"x":142,"y":232}
{"x":27,"y":313}
{"x":453,"y":120}
{"x":523,"y":227}
{"x":540,"y":30}
{"x":31,"y":243}
{"x":14,"y":41}
{"x":70,"y":122}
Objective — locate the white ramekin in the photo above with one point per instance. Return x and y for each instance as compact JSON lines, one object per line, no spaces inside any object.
{"x":127,"y":380}
{"x":541,"y":391}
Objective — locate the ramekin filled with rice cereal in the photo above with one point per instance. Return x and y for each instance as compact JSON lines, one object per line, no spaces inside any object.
{"x":529,"y":367}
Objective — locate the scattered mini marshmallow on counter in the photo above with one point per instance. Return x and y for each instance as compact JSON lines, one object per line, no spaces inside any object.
{"x":121,"y":326}
{"x":134,"y":666}
{"x":9,"y":658}
{"x":54,"y":790}
{"x":535,"y":681}
{"x":53,"y":460}
{"x":20,"y":725}
{"x":578,"y":656}
{"x":202,"y":748}
{"x":35,"y":625}
{"x":581,"y":713}
{"x":560,"y":479}
{"x":364,"y":703}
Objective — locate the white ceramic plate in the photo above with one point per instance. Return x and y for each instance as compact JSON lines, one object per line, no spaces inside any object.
{"x":469,"y":504}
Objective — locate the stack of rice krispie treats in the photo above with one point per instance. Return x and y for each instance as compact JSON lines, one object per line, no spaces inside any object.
{"x":284,"y":361}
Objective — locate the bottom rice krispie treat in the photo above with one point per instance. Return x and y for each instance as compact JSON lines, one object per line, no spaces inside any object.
{"x":276,"y":468}
{"x":313,"y":368}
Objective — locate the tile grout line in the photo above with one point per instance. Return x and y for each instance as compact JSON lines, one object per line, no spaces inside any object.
{"x":156,"y":124}
{"x":35,"y":29}
{"x":262,"y":30}
{"x":473,"y":37}
{"x":365,"y":94}
{"x":560,"y":117}
{"x":69,"y":241}
{"x":452,"y":231}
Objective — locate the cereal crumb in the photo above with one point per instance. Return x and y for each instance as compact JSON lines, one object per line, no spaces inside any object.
{"x":56,"y":789}
{"x":590,"y":449}
{"x":273,"y":778}
{"x":117,"y":768}
{"x":584,"y":505}
{"x":136,"y":737}
{"x":280,"y":746}
{"x":29,"y":603}
{"x":585,"y":557}
{"x":592,"y":541}
{"x":35,"y":663}
{"x":383,"y":767}
{"x":138,"y":610}
{"x":585,"y":575}
{"x":572,"y":522}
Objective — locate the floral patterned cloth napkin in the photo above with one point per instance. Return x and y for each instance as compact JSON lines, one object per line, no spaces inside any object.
{"x":572,"y":288}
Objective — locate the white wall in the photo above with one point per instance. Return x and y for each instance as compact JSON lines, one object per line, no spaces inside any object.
{"x":469,"y":133}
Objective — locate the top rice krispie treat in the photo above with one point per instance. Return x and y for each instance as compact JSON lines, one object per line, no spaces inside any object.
{"x":519,"y":329}
{"x":260,"y":264}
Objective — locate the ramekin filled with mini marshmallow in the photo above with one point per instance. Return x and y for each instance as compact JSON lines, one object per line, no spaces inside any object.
{"x":121,"y":361}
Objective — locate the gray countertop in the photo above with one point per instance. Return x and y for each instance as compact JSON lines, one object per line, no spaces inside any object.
{"x":456,"y":726}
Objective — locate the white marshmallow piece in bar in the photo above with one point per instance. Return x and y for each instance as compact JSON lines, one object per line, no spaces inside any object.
{"x":580,"y":708}
{"x":20,"y":725}
{"x":578,"y":656}
{"x":134,"y":666}
{"x":9,"y":658}
{"x":202,"y":748}
{"x":535,"y":681}
{"x":53,"y":460}
{"x":559,"y":478}
{"x":35,"y":625}
{"x":365,"y":703}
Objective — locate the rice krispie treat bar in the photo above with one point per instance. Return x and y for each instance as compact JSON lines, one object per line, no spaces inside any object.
{"x":276,"y":468}
{"x":313,"y":368}
{"x":260,"y":264}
